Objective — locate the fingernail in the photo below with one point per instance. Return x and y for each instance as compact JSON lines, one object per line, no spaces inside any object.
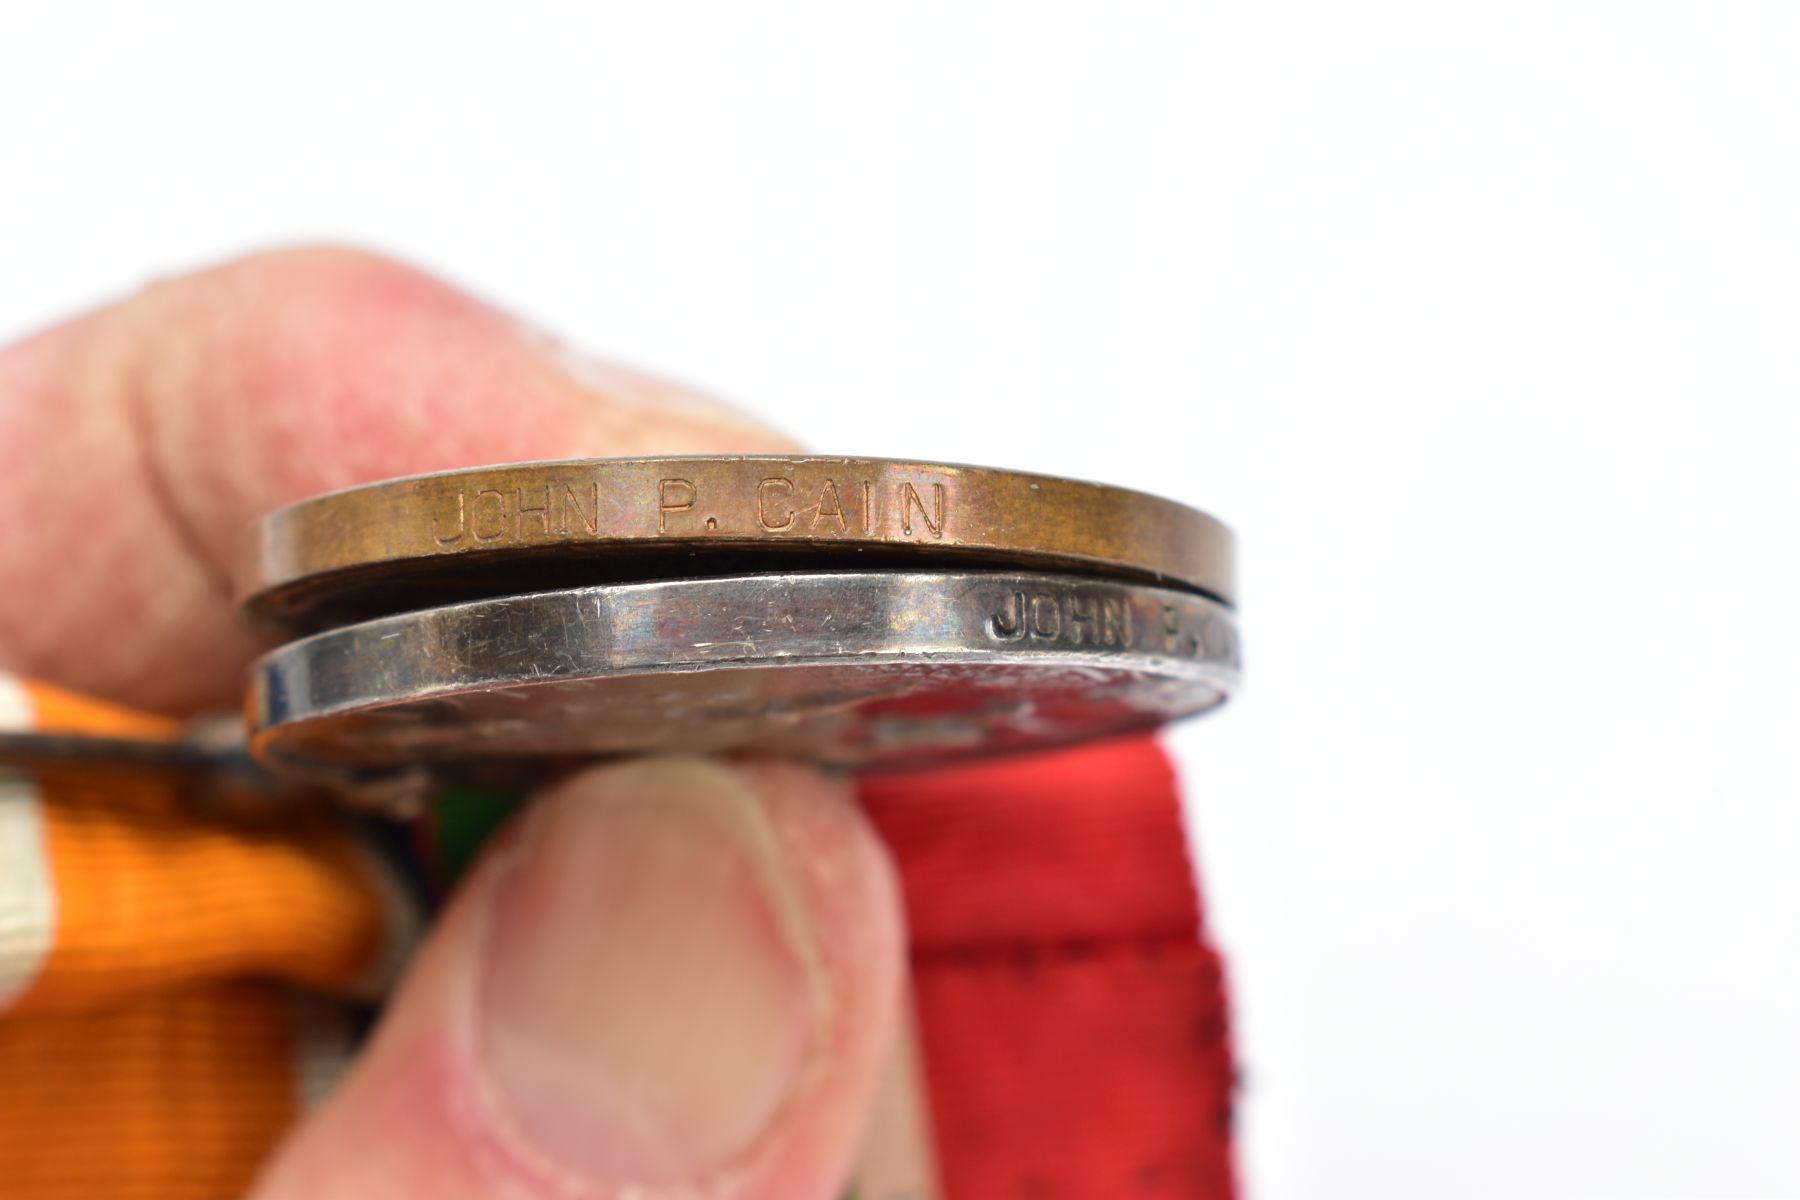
{"x":653,"y":989}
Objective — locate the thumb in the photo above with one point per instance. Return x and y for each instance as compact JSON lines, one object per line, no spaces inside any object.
{"x":671,"y":977}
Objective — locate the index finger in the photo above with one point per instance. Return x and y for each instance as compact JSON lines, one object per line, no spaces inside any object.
{"x":140,"y":441}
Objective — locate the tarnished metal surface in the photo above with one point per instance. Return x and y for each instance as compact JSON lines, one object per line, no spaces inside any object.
{"x":435,"y":539}
{"x":870,"y":668}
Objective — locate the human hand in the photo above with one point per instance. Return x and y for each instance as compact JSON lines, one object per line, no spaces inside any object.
{"x":672,"y":977}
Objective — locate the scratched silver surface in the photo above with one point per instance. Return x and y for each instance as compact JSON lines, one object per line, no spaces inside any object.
{"x":876,"y":669}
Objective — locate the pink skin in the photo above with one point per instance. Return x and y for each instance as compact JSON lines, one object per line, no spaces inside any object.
{"x":419,"y":1119}
{"x":140,"y":442}
{"x":151,"y":434}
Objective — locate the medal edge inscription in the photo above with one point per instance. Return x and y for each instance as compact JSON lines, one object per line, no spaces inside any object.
{"x":337,"y":544}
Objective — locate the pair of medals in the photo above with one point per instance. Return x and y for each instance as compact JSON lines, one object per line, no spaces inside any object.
{"x":859,"y":613}
{"x":491,"y":626}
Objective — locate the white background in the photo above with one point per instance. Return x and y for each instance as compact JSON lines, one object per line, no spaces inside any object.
{"x":1478,"y":322}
